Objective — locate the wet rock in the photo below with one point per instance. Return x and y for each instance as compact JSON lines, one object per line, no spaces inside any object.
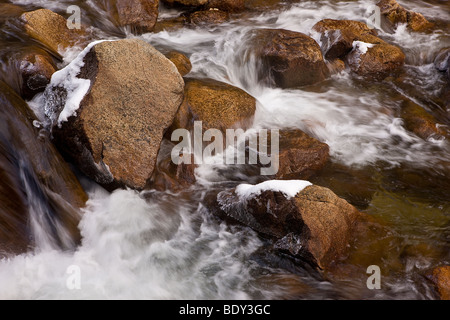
{"x":315,"y":225}
{"x":171,"y":24}
{"x":440,"y":276}
{"x":180,"y":61}
{"x":51,"y":30}
{"x":33,"y":177}
{"x":218,"y":105}
{"x":261,"y":5}
{"x":337,"y":36}
{"x":212,"y":16}
{"x":134,"y":94}
{"x":224,"y":5}
{"x":420,"y":122}
{"x":288,"y":59}
{"x":26,"y":69}
{"x":227,"y":5}
{"x":376,"y":59}
{"x":8,"y":10}
{"x":335,"y":66}
{"x":139,"y":15}
{"x":442,"y":61}
{"x":301,"y":156}
{"x":396,"y":13}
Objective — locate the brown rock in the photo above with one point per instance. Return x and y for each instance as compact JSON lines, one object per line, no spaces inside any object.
{"x":301,"y":156}
{"x":289,"y":59}
{"x":378,"y":61}
{"x":335,"y":66}
{"x":338,"y":36}
{"x":180,"y":61}
{"x":33,"y":175}
{"x":395,"y":13}
{"x":36,"y":69}
{"x":209,"y":17}
{"x":134,"y":94}
{"x":218,"y":105}
{"x":227,"y":5}
{"x":187,"y":3}
{"x":140,"y":15}
{"x":441,"y":278}
{"x":171,"y":24}
{"x":419,"y":121}
{"x":8,"y":10}
{"x":315,"y":226}
{"x":51,"y":29}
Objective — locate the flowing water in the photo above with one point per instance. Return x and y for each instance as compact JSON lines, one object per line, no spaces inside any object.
{"x":159,"y":245}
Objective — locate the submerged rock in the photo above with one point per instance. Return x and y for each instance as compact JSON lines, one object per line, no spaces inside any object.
{"x":34,"y":178}
{"x":307,"y":222}
{"x":440,"y":276}
{"x":396,"y":13}
{"x":114,"y":134}
{"x":442,"y":61}
{"x":420,"y":122}
{"x":218,"y":105}
{"x":288,"y":59}
{"x":224,"y":5}
{"x":51,"y":30}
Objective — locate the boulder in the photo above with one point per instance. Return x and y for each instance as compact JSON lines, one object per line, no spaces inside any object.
{"x":440,"y":276}
{"x":395,"y":13}
{"x":218,"y":105}
{"x":288,"y":59}
{"x":170,"y":24}
{"x":51,"y":30}
{"x":310,"y":223}
{"x":366,"y":54}
{"x":33,"y":178}
{"x":115,"y":134}
{"x":300,"y":156}
{"x":139,"y":15}
{"x":337,"y":36}
{"x":180,"y":61}
{"x":212,"y":16}
{"x":420,"y":122}
{"x":375,"y":59}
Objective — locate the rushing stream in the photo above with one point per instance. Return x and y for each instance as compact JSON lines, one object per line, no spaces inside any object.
{"x":159,"y":245}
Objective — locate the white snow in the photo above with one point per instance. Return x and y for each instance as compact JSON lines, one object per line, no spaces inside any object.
{"x":289,"y":187}
{"x":76,"y":88}
{"x":362,"y":47}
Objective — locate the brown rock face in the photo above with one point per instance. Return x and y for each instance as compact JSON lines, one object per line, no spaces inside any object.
{"x":51,"y":29}
{"x":315,"y":226}
{"x":419,"y":121}
{"x":209,"y":17}
{"x":32,"y":175}
{"x":379,"y":61}
{"x":289,"y":59}
{"x":395,"y":13}
{"x":441,"y":278}
{"x":218,"y":105}
{"x":140,"y":15}
{"x":36,"y":69}
{"x":224,"y":5}
{"x":180,"y":61}
{"x":134,"y":94}
{"x":301,"y":156}
{"x":227,"y":5}
{"x":338,"y":39}
{"x":338,"y":36}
